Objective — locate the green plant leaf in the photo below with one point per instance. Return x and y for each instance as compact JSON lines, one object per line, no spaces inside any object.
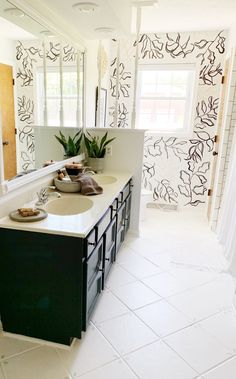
{"x":64,"y":144}
{"x":96,"y":147}
{"x":72,"y":145}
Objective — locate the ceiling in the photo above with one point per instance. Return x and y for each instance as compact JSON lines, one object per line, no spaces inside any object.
{"x":189,"y":15}
{"x":13,"y":32}
{"x":166,"y":16}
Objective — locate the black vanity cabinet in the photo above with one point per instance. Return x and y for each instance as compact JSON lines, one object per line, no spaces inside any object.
{"x":41,"y":285}
{"x":50,"y":283}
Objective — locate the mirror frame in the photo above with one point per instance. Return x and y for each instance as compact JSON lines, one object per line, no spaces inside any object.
{"x":8,"y":186}
{"x":12,"y":185}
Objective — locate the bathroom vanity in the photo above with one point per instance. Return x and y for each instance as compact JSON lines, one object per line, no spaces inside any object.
{"x":53,"y":271}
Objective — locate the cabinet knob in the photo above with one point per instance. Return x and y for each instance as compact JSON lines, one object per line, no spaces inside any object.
{"x":92,"y":243}
{"x":214,"y":153}
{"x":5,"y":143}
{"x":107,"y":259}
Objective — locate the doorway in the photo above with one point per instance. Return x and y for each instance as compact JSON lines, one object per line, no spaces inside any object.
{"x":8,"y":120}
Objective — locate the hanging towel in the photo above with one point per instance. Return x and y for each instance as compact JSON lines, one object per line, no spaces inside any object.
{"x":88,"y":185}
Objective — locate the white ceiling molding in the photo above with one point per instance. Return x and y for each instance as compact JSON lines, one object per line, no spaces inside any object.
{"x":51,"y":21}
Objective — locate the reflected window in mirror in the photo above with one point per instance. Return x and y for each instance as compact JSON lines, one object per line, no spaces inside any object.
{"x":69,"y":96}
{"x":63,"y":100}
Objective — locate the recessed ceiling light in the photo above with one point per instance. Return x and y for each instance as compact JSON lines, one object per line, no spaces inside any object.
{"x":86,"y":7}
{"x":14,"y":12}
{"x":47,"y":33}
{"x":104,"y":30}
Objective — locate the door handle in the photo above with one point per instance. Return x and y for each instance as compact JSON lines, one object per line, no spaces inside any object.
{"x":5,"y":143}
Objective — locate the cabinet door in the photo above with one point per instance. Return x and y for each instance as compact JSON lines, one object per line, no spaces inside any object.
{"x":90,"y":243}
{"x":121,"y":218}
{"x":110,"y":248}
{"x":94,"y":263}
{"x":103,"y":223}
{"x":120,"y":227}
{"x":93,"y":280}
{"x":92,"y":295}
{"x":127,"y":212}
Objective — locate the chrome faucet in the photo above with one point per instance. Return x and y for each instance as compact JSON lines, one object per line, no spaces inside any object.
{"x":43,"y":195}
{"x":87,"y":170}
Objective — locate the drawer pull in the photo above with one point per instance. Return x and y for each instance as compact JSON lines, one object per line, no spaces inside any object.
{"x":92,"y":243}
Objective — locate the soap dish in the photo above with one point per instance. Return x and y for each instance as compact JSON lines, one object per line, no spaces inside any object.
{"x":67,"y":186}
{"x":15,"y":216}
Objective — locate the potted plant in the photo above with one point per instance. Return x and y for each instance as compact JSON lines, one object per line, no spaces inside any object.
{"x":96,"y":149}
{"x":71,"y":145}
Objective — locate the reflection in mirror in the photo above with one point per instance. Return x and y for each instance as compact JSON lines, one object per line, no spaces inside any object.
{"x":41,"y":92}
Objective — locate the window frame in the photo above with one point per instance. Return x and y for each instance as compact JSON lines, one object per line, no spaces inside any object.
{"x":39,"y":69}
{"x":191,"y":96}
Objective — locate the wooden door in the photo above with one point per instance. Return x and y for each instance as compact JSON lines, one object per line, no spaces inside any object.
{"x":218,"y":134}
{"x":8,"y":120}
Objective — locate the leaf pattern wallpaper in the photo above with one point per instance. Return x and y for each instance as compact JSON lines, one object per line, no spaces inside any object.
{"x":176,"y":170}
{"x":29,"y":56}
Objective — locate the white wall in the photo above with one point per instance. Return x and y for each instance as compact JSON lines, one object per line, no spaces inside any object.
{"x":46,"y":145}
{"x":127,"y":155}
{"x":7,"y":51}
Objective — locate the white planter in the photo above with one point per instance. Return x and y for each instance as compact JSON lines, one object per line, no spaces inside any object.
{"x":96,"y":164}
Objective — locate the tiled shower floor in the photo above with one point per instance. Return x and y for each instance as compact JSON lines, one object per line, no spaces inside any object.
{"x":166,"y":313}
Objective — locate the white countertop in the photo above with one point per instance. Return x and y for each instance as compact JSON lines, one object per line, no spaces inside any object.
{"x":74,"y":225}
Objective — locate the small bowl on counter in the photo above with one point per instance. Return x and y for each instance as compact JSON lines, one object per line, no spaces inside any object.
{"x":74,"y":168}
{"x":66,"y":186}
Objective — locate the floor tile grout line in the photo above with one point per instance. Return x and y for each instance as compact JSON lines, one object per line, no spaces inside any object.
{"x":163,"y":342}
{"x":218,"y":365}
{"x":97,"y":323}
{"x":180,"y":356}
{"x":117,"y":297}
{"x":108,"y":363}
{"x":124,"y":354}
{"x":138,"y":278}
{"x":20,"y":353}
{"x":199,"y":373}
{"x":63,"y":363}
{"x":104,"y":364}
{"x":3,"y":371}
{"x":181,"y":292}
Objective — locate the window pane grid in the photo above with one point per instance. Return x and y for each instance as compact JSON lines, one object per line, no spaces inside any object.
{"x":165,"y":97}
{"x":69,"y":96}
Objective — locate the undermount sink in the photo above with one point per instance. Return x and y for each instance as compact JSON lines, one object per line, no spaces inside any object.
{"x":104,"y":179}
{"x":68,"y":206}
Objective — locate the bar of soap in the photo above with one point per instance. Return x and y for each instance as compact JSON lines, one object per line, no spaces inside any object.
{"x":26,"y":212}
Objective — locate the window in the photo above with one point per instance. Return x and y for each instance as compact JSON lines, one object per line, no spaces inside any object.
{"x":61,"y":103}
{"x":165,"y":97}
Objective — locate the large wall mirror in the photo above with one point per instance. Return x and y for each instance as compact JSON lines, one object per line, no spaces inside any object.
{"x":41,"y":92}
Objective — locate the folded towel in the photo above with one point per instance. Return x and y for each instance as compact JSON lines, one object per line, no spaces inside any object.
{"x":88,"y":185}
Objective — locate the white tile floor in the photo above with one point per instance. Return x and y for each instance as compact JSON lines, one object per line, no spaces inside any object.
{"x":166,"y":313}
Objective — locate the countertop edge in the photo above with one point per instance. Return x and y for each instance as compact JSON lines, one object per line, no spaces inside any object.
{"x":41,"y":226}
